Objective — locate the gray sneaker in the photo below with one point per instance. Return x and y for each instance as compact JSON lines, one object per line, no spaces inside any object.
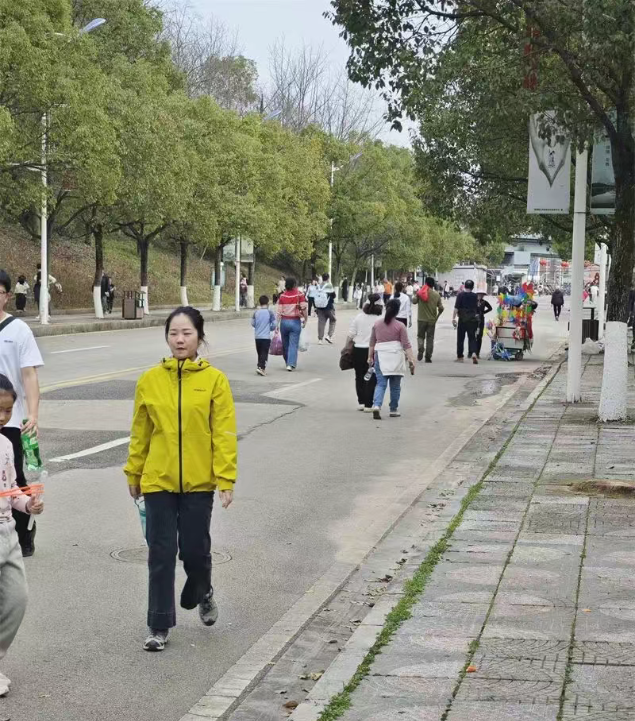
{"x":208,"y":610}
{"x":157,"y":640}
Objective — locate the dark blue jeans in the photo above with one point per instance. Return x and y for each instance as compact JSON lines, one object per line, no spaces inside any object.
{"x":177,"y":521}
{"x":290,"y":331}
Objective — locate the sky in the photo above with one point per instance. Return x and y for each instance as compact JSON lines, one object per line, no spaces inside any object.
{"x":261,"y":22}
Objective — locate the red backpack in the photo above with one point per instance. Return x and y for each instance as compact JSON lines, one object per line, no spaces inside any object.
{"x":424,"y":293}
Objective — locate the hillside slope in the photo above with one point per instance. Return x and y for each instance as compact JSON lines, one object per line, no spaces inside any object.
{"x":73,"y":265}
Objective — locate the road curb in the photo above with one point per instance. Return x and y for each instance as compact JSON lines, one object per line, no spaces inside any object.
{"x":340,"y":673}
{"x":43,"y":331}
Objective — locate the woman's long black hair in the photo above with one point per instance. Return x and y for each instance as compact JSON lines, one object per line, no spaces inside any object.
{"x":373,"y":306}
{"x":392,"y":309}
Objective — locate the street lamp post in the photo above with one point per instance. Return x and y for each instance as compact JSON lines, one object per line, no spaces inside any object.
{"x":44,"y":269}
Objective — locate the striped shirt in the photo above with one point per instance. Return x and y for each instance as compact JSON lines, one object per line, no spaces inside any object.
{"x":292,"y":304}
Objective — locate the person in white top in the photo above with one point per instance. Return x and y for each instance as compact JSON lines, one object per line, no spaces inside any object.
{"x":19,"y":360}
{"x":410,"y":290}
{"x":359,"y":336}
{"x":405,"y":305}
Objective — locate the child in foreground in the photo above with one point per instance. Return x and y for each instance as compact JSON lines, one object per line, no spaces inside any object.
{"x":13,"y":590}
{"x":264,"y":322}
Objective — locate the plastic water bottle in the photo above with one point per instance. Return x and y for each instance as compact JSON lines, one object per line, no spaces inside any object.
{"x":42,"y":478}
{"x":370,"y":373}
{"x":141,"y":507}
{"x":31,"y":450}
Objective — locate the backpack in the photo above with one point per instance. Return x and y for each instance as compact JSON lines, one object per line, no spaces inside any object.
{"x":321,"y":297}
{"x":424,"y":293}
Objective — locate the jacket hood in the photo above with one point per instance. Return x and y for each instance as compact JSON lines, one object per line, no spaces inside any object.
{"x":187,"y":366}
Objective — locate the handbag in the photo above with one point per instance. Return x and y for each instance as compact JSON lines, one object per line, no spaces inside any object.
{"x":276,"y":344}
{"x":347,"y":359}
{"x":303,"y":343}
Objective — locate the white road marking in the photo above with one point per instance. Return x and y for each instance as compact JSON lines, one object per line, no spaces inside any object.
{"x":295,"y":386}
{"x":91,"y":451}
{"x":77,"y":350}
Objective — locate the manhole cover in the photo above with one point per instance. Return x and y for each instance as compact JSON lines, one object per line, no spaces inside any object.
{"x":140,"y":555}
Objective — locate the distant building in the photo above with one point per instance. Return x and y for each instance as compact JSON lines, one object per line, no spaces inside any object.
{"x":532,"y":258}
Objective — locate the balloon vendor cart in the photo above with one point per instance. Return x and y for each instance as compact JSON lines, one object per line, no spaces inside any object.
{"x":512,"y":331}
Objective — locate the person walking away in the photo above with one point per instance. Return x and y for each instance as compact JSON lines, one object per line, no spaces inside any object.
{"x":357,"y":295}
{"x":345,"y":290}
{"x":430,"y":307}
{"x":21,"y":291}
{"x":410,"y":290}
{"x":104,"y":290}
{"x":465,"y":309}
{"x":325,"y":307}
{"x":389,"y":347}
{"x":13,"y":588}
{"x":557,"y":301}
{"x":446,"y":290}
{"x":243,"y":292}
{"x":482,"y":308}
{"x":111,"y":294}
{"x":37,"y":286}
{"x":292,"y":317}
{"x":264,"y":322}
{"x":19,"y":360}
{"x":359,"y":334}
{"x":387,"y":290}
{"x":405,"y":305}
{"x":183,"y":448}
{"x":311,"y":293}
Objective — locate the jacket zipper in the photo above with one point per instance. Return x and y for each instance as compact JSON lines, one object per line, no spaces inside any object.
{"x":180,"y":430}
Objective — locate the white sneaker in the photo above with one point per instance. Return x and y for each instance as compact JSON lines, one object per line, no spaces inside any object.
{"x":5,"y":684}
{"x":290,"y":369}
{"x":320,"y":342}
{"x":261,"y":371}
{"x":329,"y":340}
{"x":361,"y":408}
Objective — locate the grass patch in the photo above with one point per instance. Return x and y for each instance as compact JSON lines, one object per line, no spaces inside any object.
{"x":72,"y":263}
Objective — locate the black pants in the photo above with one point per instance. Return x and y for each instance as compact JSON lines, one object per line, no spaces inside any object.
{"x":365,"y":389}
{"x":557,"y":309}
{"x":21,"y":519}
{"x":20,"y":301}
{"x":177,"y":521}
{"x":262,"y":348}
{"x":470,"y":328}
{"x":479,"y":338}
{"x":311,"y":304}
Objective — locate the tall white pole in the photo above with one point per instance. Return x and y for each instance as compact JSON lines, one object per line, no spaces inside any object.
{"x":44,"y":269}
{"x":574,"y":372}
{"x":237,"y":293}
{"x":372,"y":273}
{"x":602,"y":290}
{"x":331,"y":233}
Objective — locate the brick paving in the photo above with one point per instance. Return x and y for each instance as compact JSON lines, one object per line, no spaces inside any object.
{"x":536,"y":592}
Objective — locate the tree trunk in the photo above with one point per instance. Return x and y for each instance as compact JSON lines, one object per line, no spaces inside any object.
{"x":143,"y":246}
{"x":184,"y":247}
{"x":98,"y":234}
{"x":613,"y":405}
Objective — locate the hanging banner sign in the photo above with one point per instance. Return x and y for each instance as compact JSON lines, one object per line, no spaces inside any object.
{"x":549,"y":190}
{"x":602,"y":174}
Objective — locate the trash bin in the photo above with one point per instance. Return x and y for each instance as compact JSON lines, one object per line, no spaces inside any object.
{"x":132,"y":305}
{"x":590,"y":324}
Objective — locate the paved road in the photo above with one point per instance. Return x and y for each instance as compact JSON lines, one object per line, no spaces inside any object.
{"x":316,"y":476}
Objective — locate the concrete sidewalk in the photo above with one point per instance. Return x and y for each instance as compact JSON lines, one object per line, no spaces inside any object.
{"x":527,"y":613}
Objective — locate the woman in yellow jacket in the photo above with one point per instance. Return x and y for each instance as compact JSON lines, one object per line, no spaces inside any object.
{"x":182,"y":448}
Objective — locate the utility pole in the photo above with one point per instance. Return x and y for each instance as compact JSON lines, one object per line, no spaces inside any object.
{"x":237,"y":291}
{"x":602,"y":291}
{"x":574,"y":368}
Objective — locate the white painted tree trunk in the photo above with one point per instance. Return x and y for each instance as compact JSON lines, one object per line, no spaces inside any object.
{"x":216,"y":298}
{"x":146,"y":303}
{"x":99,"y":308}
{"x":184,"y":300}
{"x":615,"y":376}
{"x":251,"y":297}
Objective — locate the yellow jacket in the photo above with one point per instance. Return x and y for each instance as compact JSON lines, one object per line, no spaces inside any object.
{"x":183,"y":436}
